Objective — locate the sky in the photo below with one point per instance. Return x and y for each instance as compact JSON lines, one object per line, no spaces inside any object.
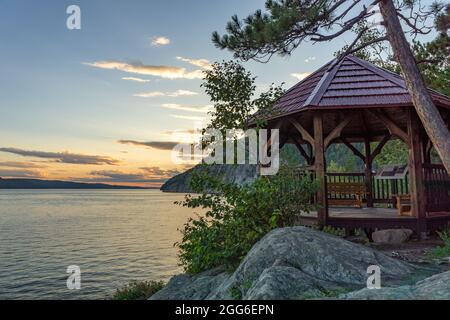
{"x":101,"y":104}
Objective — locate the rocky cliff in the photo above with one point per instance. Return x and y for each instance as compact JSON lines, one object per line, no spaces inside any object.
{"x":239,"y":174}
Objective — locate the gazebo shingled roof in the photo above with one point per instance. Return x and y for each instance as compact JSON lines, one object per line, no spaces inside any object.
{"x":350,"y":83}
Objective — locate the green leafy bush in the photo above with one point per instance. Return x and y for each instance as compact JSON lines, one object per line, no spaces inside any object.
{"x":238,"y":216}
{"x":444,"y":251}
{"x":138,"y":290}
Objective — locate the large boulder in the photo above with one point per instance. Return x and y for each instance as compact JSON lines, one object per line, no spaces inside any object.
{"x":436,"y":287}
{"x":291,"y":263}
{"x":183,"y":286}
{"x":391,"y":236}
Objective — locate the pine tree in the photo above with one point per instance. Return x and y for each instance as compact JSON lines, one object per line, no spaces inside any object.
{"x":286,"y":24}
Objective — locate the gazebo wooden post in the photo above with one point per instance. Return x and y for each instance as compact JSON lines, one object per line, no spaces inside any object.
{"x":416,"y":181}
{"x":368,"y":172}
{"x":319,"y":164}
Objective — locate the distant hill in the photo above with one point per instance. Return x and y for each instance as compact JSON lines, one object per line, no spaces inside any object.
{"x":54,"y":184}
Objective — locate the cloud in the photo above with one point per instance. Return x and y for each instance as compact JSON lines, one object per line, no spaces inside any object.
{"x":157,"y":171}
{"x":145,"y":175}
{"x":6,"y":173}
{"x":185,"y":131}
{"x":202,"y":63}
{"x":160,"y":41}
{"x":309,"y":59}
{"x":118,"y":176}
{"x":174,"y":106}
{"x":180,"y":93}
{"x":63,"y":157}
{"x":300,"y":76}
{"x":25,"y":165}
{"x":166,"y":72}
{"x":161,"y":145}
{"x":193,"y":118}
{"x":177,"y":93}
{"x":135,"y":79}
{"x":152,"y":94}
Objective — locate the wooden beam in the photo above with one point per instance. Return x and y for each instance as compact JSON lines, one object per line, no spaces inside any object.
{"x":416,"y":182}
{"x":277,"y":125}
{"x":355,"y":151}
{"x":303,"y":132}
{"x":427,"y":150}
{"x":379,"y":147}
{"x":368,"y":172}
{"x":393,"y":128}
{"x":336,"y":132}
{"x":303,"y":152}
{"x":319,"y":164}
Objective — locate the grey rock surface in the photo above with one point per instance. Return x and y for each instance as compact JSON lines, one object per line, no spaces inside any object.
{"x":394,"y":236}
{"x":186,"y":287}
{"x":290,"y":263}
{"x":436,"y":287}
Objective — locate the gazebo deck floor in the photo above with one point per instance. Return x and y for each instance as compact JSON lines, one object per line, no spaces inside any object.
{"x":349,"y":212}
{"x":368,"y":213}
{"x":375,"y":218}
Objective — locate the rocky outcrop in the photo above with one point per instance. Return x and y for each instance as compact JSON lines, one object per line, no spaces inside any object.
{"x":291,"y":263}
{"x":436,"y":287}
{"x":394,"y":236}
{"x":239,"y":174}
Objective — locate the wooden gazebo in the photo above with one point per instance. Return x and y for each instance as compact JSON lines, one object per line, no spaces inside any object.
{"x":354,"y":101}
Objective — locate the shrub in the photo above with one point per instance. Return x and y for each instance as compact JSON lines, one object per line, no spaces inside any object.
{"x":444,"y":251}
{"x":138,"y":290}
{"x":238,"y":216}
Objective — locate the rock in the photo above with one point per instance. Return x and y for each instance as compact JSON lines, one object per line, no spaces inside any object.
{"x":197,"y":287}
{"x":394,"y":236}
{"x":290,"y":263}
{"x":436,"y":287}
{"x":283,"y":283}
{"x":399,"y":293}
{"x":239,"y":174}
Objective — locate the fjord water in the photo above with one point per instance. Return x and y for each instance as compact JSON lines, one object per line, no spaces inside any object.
{"x":114,"y":236}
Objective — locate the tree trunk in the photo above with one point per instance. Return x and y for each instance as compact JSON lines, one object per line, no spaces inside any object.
{"x":427,"y":111}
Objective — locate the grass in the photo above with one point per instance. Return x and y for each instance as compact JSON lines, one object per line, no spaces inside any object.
{"x":138,"y":290}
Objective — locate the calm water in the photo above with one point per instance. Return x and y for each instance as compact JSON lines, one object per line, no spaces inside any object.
{"x":114,"y":236}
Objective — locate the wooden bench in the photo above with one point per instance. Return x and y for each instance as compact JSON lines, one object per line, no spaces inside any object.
{"x":349,"y":193}
{"x":403,"y":205}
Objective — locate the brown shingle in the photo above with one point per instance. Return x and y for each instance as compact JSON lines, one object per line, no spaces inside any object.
{"x":351,"y":82}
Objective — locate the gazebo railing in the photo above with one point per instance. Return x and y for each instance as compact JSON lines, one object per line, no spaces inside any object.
{"x":383,"y":190}
{"x":436,"y":181}
{"x":437,"y":187}
{"x":343,"y":178}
